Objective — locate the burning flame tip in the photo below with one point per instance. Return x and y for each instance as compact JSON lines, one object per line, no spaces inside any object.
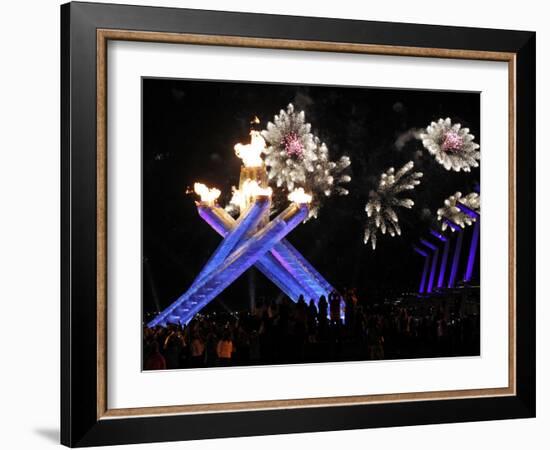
{"x":251,"y":153}
{"x":250,"y":189}
{"x":206,"y":194}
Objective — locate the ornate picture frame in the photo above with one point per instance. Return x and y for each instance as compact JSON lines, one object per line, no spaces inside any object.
{"x":86,"y":418}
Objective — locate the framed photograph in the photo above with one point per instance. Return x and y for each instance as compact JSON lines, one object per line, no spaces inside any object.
{"x":276,"y":224}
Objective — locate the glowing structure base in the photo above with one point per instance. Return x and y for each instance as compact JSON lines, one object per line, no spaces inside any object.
{"x":248,"y":241}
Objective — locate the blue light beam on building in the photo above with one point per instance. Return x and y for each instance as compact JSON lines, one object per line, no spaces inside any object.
{"x":456,"y":259}
{"x":473,"y":251}
{"x":433,"y":268}
{"x":443,"y":266}
{"x":470,"y":212}
{"x":426,"y":256}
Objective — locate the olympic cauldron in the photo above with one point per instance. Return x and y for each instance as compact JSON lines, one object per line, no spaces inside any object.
{"x":250,"y":240}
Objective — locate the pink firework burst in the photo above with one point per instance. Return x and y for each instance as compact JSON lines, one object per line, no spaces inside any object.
{"x":452,"y":142}
{"x":293,"y":145}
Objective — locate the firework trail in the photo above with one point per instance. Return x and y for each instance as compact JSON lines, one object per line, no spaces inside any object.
{"x":383,"y":202}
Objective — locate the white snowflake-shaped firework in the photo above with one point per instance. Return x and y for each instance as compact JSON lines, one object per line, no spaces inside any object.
{"x":382,"y":204}
{"x":453,"y":147}
{"x":451,"y":212}
{"x":297,"y":158}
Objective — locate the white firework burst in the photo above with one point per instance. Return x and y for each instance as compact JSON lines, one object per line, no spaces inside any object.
{"x":383,"y":202}
{"x":297,"y":158}
{"x":452,"y":213}
{"x":453,"y":147}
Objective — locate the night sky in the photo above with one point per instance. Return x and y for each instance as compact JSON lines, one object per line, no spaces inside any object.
{"x":190,"y":128}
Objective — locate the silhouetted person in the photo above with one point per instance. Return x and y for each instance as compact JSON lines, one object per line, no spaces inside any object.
{"x":351,"y":305}
{"x":323,"y":308}
{"x":155,"y":361}
{"x":334,"y":300}
{"x":300,"y":311}
{"x":197,"y":350}
{"x":311,"y":316}
{"x":172,"y":349}
{"x":300,"y":328}
{"x":225,"y":349}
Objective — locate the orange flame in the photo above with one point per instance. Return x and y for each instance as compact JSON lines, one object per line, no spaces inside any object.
{"x":251,"y":153}
{"x":207,"y":195}
{"x":250,"y":189}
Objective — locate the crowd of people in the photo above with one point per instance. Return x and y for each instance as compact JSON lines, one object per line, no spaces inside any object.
{"x":340,"y":328}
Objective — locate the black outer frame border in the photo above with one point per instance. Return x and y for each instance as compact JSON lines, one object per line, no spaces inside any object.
{"x":79,"y":425}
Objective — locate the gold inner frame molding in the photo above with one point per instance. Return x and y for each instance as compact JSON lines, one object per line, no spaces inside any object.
{"x":105,"y":35}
